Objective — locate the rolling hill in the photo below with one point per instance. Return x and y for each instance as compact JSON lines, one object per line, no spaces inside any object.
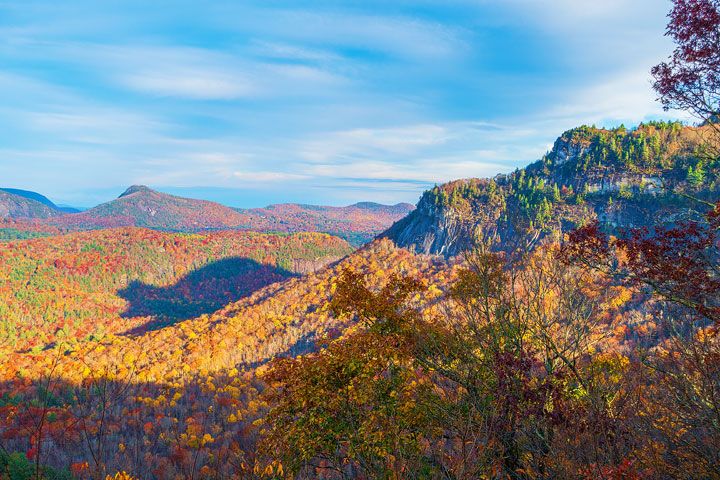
{"x":358,"y":223}
{"x":40,"y":198}
{"x":69,"y":287}
{"x":141,"y":206}
{"x":23,"y":204}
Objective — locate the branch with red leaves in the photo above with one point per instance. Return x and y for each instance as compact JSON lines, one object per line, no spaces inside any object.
{"x":679,"y":263}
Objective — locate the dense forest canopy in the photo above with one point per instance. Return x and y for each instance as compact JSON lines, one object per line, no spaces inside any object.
{"x":558,"y":322}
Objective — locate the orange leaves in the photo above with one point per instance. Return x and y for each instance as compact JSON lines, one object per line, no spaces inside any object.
{"x":79,"y":468}
{"x":148,"y":428}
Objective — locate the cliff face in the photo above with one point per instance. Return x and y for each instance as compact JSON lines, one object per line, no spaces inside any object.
{"x":625,"y":179}
{"x":432,"y":229}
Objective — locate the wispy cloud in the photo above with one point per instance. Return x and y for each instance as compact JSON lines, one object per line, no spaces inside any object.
{"x":400,"y":36}
{"x":366,"y":142}
{"x":189,"y":83}
{"x":309,"y":101}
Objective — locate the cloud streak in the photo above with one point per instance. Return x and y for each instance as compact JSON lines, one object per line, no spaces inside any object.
{"x":307,"y":101}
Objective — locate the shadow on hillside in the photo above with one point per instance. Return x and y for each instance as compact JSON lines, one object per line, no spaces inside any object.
{"x":107,"y":394}
{"x":201,"y":291}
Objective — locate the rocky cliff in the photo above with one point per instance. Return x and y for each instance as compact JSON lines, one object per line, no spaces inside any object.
{"x":623,"y":178}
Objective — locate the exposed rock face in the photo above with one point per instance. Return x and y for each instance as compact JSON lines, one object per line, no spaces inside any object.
{"x":432,"y":229}
{"x":568,"y":151}
{"x":618,"y":177}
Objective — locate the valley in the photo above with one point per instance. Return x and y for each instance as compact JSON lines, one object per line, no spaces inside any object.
{"x":534,"y":316}
{"x":190,"y":331}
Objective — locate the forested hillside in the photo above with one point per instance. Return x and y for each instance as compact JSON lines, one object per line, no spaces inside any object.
{"x":358,"y":223}
{"x":141,"y":206}
{"x":83,"y":285}
{"x":624,"y":178}
{"x":13,"y":205}
{"x":196,"y":365}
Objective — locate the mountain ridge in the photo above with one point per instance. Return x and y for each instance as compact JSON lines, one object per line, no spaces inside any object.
{"x":17,"y":204}
{"x":38,"y":197}
{"x":623,"y":178}
{"x":142,"y":206}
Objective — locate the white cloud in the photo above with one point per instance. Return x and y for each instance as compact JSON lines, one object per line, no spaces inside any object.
{"x":365,"y":142}
{"x":189,"y":82}
{"x":269,"y":177}
{"x":289,"y":51}
{"x":399,"y":36}
{"x":429,"y":170}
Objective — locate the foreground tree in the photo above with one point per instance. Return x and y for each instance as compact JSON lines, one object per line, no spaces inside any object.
{"x":504,"y":383}
{"x":680,"y":266}
{"x":690,"y":79}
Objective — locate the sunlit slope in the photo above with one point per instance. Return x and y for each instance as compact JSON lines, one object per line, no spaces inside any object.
{"x":74,"y":287}
{"x":282,"y":318}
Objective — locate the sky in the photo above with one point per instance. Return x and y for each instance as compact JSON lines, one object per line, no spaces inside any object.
{"x":256,"y":102}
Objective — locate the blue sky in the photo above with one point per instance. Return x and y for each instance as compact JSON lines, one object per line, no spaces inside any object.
{"x":251,"y":103}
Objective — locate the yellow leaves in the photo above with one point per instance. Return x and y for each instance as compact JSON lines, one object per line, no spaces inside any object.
{"x":207,"y":438}
{"x":193,"y":442}
{"x":120,"y":476}
{"x":197,"y":442}
{"x":129,"y":358}
{"x":621,"y":296}
{"x":433,"y":291}
{"x":232,"y":418}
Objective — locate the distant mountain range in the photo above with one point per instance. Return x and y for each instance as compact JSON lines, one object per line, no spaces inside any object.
{"x":357,"y":223}
{"x":142,"y":206}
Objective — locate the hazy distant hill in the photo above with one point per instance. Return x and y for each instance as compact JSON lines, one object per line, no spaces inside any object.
{"x":358,"y":223}
{"x":23,"y":204}
{"x":40,"y":198}
{"x":141,"y":206}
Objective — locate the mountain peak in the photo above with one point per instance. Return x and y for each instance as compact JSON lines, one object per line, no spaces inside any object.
{"x":136,"y":189}
{"x":617,"y":176}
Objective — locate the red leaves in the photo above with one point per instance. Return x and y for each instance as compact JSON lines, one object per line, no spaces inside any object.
{"x":31,"y":453}
{"x":693,"y":23}
{"x":626,"y":470}
{"x":587,"y":243}
{"x":679,"y":263}
{"x":79,"y":468}
{"x":148,"y":428}
{"x":691,"y":78}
